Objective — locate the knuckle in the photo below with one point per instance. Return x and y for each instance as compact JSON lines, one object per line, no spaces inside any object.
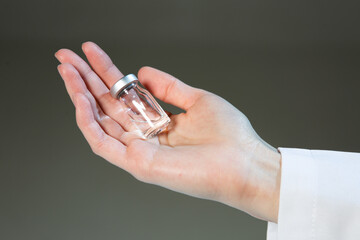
{"x":89,"y":74}
{"x":170,"y":88}
{"x":105,"y":98}
{"x":109,"y":68}
{"x":68,"y":69}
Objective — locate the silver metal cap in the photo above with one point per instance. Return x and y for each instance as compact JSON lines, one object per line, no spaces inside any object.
{"x":120,"y":85}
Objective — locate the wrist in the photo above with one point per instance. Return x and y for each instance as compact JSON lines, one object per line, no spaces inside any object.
{"x":268,"y":162}
{"x":261,"y":189}
{"x":254,"y":186}
{"x":275,"y":158}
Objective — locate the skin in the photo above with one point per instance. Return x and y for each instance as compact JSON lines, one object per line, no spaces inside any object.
{"x":211,"y":151}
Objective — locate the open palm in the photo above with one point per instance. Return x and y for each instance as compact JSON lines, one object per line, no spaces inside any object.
{"x":210,"y":151}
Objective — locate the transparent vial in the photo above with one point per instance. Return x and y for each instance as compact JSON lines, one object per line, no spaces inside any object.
{"x":145,"y":113}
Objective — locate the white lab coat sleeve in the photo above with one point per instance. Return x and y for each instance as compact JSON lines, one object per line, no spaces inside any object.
{"x":319,"y":196}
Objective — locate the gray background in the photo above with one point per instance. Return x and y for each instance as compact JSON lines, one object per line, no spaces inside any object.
{"x":291,"y":66}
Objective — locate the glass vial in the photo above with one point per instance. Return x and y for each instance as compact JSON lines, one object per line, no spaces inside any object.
{"x":142,"y":108}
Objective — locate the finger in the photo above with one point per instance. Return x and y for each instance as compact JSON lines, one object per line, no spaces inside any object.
{"x":101,"y":63}
{"x":101,"y":143}
{"x":111,"y":106}
{"x":92,"y":81}
{"x":74,"y":84}
{"x":111,"y":127}
{"x":168,"y":88}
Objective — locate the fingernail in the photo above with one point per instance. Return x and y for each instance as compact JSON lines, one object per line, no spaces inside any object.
{"x":85,"y":49}
{"x":58,"y":68}
{"x":58,"y":57}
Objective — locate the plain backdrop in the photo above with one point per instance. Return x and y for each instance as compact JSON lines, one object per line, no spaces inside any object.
{"x":293,"y":67}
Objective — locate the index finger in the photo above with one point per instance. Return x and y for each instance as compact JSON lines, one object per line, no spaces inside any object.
{"x":101,"y":63}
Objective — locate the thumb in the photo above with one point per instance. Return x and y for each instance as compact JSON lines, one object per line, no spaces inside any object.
{"x":168,"y":88}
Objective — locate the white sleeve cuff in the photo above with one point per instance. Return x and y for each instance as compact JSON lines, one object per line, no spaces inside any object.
{"x":319,"y":196}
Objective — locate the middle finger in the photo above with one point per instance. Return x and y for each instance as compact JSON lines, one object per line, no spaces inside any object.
{"x":111,"y":106}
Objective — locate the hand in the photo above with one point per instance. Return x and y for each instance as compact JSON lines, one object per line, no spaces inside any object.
{"x":211,"y":151}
